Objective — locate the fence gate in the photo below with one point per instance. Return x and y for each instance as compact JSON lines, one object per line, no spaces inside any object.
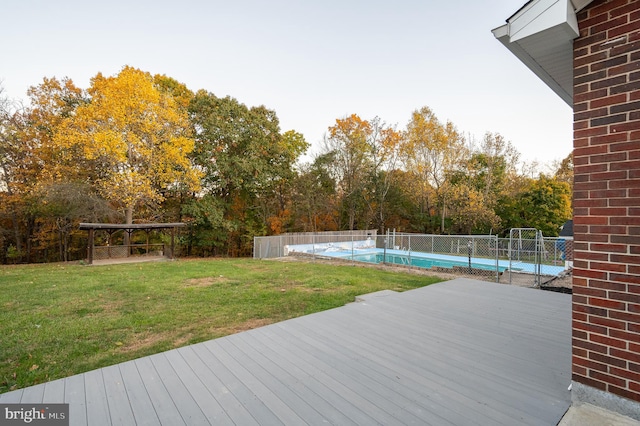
{"x":526,"y":249}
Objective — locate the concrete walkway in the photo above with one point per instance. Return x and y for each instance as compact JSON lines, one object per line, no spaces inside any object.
{"x":590,"y":415}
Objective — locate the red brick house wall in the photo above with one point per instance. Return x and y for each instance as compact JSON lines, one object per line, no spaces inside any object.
{"x":606,"y":283}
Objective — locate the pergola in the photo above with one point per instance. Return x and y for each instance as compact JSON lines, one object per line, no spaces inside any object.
{"x":129,"y":228}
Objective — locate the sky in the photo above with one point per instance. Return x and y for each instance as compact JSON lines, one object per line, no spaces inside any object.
{"x":311,"y":61}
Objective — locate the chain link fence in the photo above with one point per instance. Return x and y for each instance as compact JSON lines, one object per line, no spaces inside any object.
{"x":526,"y":256}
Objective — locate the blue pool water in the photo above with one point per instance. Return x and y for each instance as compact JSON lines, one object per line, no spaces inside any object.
{"x":424,"y":262}
{"x":365,"y":251}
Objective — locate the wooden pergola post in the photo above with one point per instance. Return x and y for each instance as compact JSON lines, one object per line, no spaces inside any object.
{"x":173,"y":233}
{"x":90,"y":246}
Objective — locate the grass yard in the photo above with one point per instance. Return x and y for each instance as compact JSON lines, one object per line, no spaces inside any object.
{"x":57,"y":320}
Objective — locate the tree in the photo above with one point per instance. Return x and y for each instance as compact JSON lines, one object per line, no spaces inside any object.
{"x":276,"y":199}
{"x":67,"y":204}
{"x":13,"y":180}
{"x":134,"y":136}
{"x":20,"y":172}
{"x":246,"y":165}
{"x":544,"y":205}
{"x":384,"y":148}
{"x":431,"y":152}
{"x":470,"y":211}
{"x":51,"y":103}
{"x":347,"y":143}
{"x":489,"y":180}
{"x":313,"y":197}
{"x":564,"y":172}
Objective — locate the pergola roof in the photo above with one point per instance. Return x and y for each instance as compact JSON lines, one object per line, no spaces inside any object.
{"x":541,"y":35}
{"x":131,"y":226}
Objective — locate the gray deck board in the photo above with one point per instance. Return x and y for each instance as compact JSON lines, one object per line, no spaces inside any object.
{"x":11,"y":397}
{"x":33,"y":394}
{"x":396,"y":404}
{"x":462,"y":352}
{"x":74,"y":395}
{"x":209,"y":406}
{"x":491,"y":364}
{"x":54,"y":392}
{"x":288,"y":388}
{"x":292,"y":378}
{"x":224,"y":352}
{"x":306,"y":371}
{"x":240,"y":391}
{"x":116,"y":393}
{"x":189,"y":409}
{"x":233,"y":407}
{"x":141,"y":406}
{"x":165,"y":409}
{"x":98,"y":413}
{"x":430,"y":392}
{"x":452,"y":384}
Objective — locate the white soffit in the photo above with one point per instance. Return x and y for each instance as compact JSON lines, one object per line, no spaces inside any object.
{"x":541,"y":35}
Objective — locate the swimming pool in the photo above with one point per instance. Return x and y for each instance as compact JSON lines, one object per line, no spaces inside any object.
{"x":365,"y":251}
{"x":422,"y":261}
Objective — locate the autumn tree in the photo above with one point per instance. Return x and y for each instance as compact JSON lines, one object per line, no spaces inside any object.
{"x":545,"y":204}
{"x":490,"y":181}
{"x":66,"y":204}
{"x":26,"y":152}
{"x":277,"y":197}
{"x":314,"y":197}
{"x":564,"y":173}
{"x":14,"y":182}
{"x":431,"y":152}
{"x":134,"y":136}
{"x":384,"y":144}
{"x":347,"y":142}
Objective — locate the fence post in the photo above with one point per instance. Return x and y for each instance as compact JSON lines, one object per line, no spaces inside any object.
{"x":409,"y":248}
{"x":497,"y":261}
{"x":352,"y":244}
{"x":384,"y":256}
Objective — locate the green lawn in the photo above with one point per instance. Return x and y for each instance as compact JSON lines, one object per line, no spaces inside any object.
{"x":63,"y":319}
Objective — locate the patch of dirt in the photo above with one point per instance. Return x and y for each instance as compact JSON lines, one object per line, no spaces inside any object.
{"x":182,"y":340}
{"x":244,"y":326}
{"x":141,"y":343}
{"x":204,"y":282}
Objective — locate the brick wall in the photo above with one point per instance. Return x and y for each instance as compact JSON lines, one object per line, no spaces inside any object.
{"x":606,"y":283}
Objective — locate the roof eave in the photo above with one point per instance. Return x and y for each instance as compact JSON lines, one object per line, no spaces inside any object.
{"x":501,"y":33}
{"x":541,"y":35}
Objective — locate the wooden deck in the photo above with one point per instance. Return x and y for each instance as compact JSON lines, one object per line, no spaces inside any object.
{"x":462,"y":352}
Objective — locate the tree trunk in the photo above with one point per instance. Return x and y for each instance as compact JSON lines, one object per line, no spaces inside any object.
{"x":16,"y":231}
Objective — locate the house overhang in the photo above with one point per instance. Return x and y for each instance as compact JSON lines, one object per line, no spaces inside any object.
{"x":541,"y":35}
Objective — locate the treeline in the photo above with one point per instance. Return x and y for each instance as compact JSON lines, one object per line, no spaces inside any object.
{"x":136,"y":148}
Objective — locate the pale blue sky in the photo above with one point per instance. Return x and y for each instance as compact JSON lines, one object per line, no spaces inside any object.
{"x":310,"y":61}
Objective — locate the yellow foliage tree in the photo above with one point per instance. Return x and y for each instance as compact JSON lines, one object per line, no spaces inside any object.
{"x":135,"y":136}
{"x":431,"y":151}
{"x":348,"y":144}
